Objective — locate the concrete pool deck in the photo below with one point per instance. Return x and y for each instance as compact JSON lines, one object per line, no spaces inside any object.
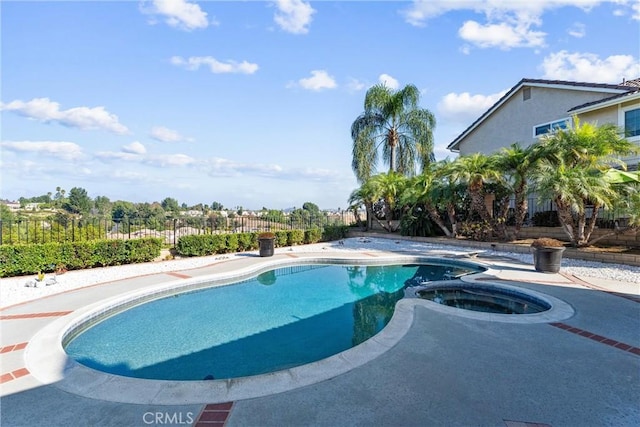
{"x":446,"y":370}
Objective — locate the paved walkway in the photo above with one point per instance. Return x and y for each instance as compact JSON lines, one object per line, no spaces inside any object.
{"x":447,"y":370}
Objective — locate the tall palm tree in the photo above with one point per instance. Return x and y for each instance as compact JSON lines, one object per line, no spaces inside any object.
{"x":393,"y":123}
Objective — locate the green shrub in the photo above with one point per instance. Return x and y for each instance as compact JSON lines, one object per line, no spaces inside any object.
{"x":334,"y":232}
{"x":418,"y":223}
{"x":201,"y":244}
{"x":46,"y":257}
{"x":476,"y":230}
{"x":282,"y":238}
{"x":313,"y":235}
{"x":247,"y":242}
{"x":295,"y":237}
{"x":110,"y":252}
{"x":143,"y":250}
{"x":232,"y":243}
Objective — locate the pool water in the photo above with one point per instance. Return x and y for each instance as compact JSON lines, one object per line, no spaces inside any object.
{"x":485,"y":300}
{"x":280,"y":319}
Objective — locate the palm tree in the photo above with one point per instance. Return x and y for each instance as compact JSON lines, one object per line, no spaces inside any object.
{"x":435,"y":192}
{"x":392,"y":122}
{"x":517,"y":164}
{"x":572,"y":189}
{"x":365,"y":195}
{"x":572,"y":164}
{"x":476,"y":170}
{"x":388,"y":187}
{"x":587,"y":144}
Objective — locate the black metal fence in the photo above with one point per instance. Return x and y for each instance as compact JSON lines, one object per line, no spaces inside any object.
{"x":545,"y":214}
{"x":43,"y":231}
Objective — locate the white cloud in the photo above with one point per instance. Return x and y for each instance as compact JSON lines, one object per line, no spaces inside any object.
{"x":163,"y":160}
{"x":220,"y":167}
{"x":577,"y":30}
{"x":154,"y":160}
{"x":217,"y":67}
{"x":388,"y":81}
{"x":129,"y":175}
{"x":59,"y":149}
{"x":228,"y":168}
{"x":464,"y":107}
{"x":588,"y":67}
{"x":634,"y":10}
{"x":45,"y":110}
{"x":502,"y":35}
{"x":163,"y":134}
{"x":421,"y":11}
{"x":134,"y":148}
{"x":318,"y":81}
{"x":293,"y":16}
{"x":118,"y":155}
{"x":508,"y":23}
{"x":355,"y":85}
{"x":177,"y":13}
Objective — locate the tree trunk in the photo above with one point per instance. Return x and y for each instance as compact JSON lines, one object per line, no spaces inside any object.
{"x":477,"y":204}
{"x":591,"y":225}
{"x":614,"y":233}
{"x":388,"y":215}
{"x":580,"y":224}
{"x":566,"y":221}
{"x":451,"y":213}
{"x":501,"y":225}
{"x":356,"y":214}
{"x":521,"y":207}
{"x":435,"y":216}
{"x":392,"y":160}
{"x":369,"y":209}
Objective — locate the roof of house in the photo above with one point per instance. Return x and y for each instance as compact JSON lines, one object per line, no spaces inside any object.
{"x":615,"y":99}
{"x":632,"y":83}
{"x":634,"y":90}
{"x":616,"y":89}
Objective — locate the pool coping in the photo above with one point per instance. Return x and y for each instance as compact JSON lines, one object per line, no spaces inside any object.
{"x":47,"y":361}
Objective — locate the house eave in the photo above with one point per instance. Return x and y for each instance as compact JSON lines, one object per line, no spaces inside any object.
{"x":606,"y":103}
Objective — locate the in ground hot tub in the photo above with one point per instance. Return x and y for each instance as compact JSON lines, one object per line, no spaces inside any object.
{"x":486,"y":299}
{"x":491,"y":301}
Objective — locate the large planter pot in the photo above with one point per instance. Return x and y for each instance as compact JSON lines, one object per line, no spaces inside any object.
{"x":267,"y":246}
{"x":547,"y":259}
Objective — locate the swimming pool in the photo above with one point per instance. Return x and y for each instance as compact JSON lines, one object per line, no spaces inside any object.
{"x":281,"y":318}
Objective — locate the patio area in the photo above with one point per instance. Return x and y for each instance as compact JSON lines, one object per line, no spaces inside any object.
{"x":447,"y":369}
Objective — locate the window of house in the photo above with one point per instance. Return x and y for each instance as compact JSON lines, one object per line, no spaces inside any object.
{"x":550,"y":127}
{"x":632,"y":123}
{"x":526,"y":93}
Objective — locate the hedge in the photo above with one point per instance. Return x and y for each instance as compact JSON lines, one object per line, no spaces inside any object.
{"x":211,"y":244}
{"x":21,"y":259}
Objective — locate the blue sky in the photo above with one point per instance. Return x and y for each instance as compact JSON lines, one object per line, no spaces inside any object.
{"x":250,"y":103}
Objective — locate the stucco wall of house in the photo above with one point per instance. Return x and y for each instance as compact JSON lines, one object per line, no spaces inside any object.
{"x":515,"y":119}
{"x":632,"y":162}
{"x":601,"y":117}
{"x":611,"y":115}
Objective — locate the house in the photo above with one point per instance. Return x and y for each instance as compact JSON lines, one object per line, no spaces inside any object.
{"x":535,"y":107}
